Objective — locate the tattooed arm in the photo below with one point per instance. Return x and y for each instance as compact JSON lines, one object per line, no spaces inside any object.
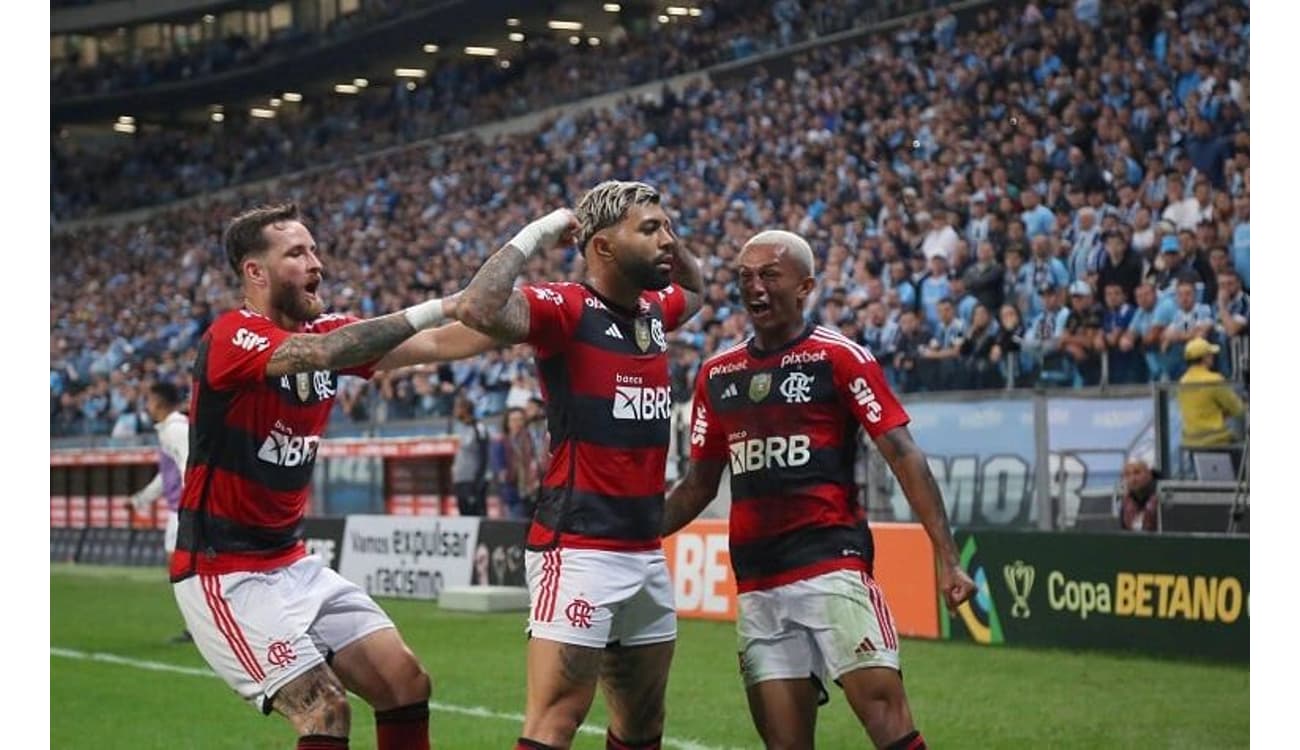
{"x":490,"y":303}
{"x":923,"y":494}
{"x":689,"y":497}
{"x":348,"y":346}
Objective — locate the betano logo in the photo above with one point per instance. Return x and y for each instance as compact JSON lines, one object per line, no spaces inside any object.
{"x":1164,"y":596}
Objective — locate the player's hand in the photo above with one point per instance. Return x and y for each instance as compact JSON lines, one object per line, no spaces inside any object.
{"x":955,"y":585}
{"x":556,"y":228}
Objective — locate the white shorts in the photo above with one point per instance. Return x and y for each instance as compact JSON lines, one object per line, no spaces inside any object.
{"x":821,"y":627}
{"x":169,"y":535}
{"x":598,"y":598}
{"x":259,"y":631}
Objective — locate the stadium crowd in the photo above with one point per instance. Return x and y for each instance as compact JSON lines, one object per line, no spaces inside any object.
{"x":190,"y":60}
{"x":1046,"y":196}
{"x":154,"y":167}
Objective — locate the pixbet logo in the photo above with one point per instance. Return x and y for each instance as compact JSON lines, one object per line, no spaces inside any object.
{"x":803,"y":358}
{"x":725,"y":369}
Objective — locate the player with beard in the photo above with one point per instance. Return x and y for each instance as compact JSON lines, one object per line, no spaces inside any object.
{"x":783,"y":409}
{"x":285,"y":631}
{"x":602,"y":608}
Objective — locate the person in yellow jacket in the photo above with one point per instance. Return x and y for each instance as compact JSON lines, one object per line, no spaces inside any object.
{"x":1206,"y":399}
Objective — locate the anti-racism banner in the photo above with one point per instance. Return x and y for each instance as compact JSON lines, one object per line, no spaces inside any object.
{"x":409,"y":557}
{"x":1176,"y":595}
{"x":699,"y":560}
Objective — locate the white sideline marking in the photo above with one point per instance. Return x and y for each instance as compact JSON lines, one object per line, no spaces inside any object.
{"x":451,"y":708}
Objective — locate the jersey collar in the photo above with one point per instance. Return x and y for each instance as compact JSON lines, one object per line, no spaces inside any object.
{"x":612,"y":305}
{"x":757,"y":353}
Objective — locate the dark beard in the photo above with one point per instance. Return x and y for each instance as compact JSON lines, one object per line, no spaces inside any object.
{"x":288,"y":301}
{"x":645,"y":275}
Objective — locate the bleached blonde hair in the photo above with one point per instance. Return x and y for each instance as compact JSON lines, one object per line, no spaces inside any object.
{"x":606,"y":204}
{"x":796,"y":247}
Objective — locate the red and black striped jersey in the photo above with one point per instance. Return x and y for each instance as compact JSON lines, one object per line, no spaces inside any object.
{"x":604,"y":376}
{"x":253,"y":444}
{"x":786,"y":421}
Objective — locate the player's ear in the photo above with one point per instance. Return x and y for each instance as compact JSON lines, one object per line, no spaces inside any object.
{"x":806,"y":285}
{"x":255,"y":271}
{"x":600,"y":245}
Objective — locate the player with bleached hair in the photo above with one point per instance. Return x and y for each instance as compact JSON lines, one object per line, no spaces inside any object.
{"x":782,"y":411}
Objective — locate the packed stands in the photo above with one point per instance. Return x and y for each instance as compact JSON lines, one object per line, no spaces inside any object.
{"x":967,"y":187}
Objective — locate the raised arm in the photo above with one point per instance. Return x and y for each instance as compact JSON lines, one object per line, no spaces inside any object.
{"x":490,"y":304}
{"x":690,"y":496}
{"x":908,"y":463}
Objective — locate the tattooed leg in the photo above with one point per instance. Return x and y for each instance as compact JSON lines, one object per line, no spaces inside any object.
{"x":561,"y":685}
{"x":633,"y":680}
{"x":315,"y":703}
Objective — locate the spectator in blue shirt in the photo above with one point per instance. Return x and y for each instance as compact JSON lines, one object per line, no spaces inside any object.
{"x":1043,"y":337}
{"x":934,"y":287}
{"x":1241,"y":239}
{"x":1039,"y":219}
{"x":941,"y":357}
{"x":1190,"y":320}
{"x":1147,"y":328}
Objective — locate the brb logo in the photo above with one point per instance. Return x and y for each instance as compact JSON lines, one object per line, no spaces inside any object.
{"x":579,"y":613}
{"x":797,"y":388}
{"x":280,"y":654}
{"x":286,"y":450}
{"x":756,"y":454}
{"x":640,"y":402}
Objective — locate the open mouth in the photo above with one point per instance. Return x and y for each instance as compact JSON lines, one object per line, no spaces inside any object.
{"x":311,"y":287}
{"x":758,"y":307}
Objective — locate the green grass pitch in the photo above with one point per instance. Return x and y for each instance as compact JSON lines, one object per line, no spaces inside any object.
{"x":140,"y":692}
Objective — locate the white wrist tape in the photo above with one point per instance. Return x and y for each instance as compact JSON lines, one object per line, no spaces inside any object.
{"x":542,"y":233}
{"x":425,"y":315}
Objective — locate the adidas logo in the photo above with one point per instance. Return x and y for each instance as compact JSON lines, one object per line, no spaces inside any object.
{"x":730,"y":391}
{"x":865,"y":647}
{"x":613,"y":331}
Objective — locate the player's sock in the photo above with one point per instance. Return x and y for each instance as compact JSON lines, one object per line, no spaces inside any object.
{"x":322,"y":742}
{"x":404,"y":727}
{"x":612,"y":742}
{"x":910,"y":741}
{"x":523,"y":743}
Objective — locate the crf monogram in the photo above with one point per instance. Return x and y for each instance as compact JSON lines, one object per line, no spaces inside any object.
{"x":280,"y":654}
{"x":579,"y":613}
